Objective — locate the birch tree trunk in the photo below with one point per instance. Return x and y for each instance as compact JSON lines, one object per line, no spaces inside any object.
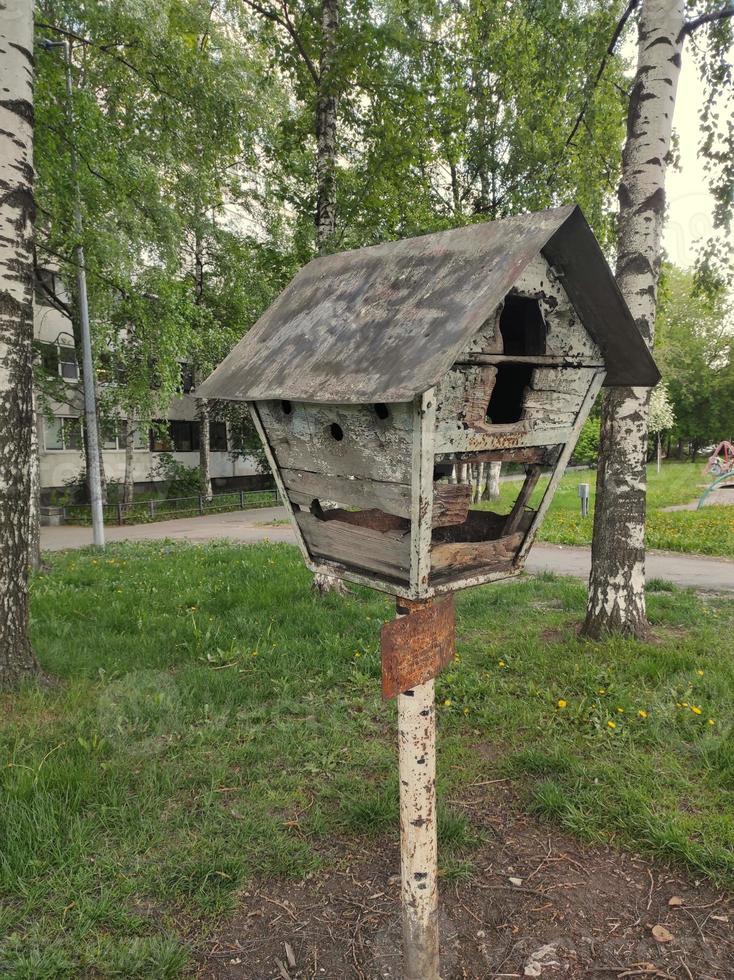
{"x":493,"y":480}
{"x":205,"y":476}
{"x":128,"y":483}
{"x":17,"y":209}
{"x":617,"y":583}
{"x":326,"y":110}
{"x":34,"y":510}
{"x":326,"y":120}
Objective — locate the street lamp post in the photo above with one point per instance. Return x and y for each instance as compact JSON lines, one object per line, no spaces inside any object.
{"x":90,"y":399}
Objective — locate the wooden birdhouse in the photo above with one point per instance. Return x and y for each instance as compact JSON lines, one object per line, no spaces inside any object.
{"x":376,"y":370}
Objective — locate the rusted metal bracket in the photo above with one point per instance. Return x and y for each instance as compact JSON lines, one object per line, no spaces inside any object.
{"x":416,"y":647}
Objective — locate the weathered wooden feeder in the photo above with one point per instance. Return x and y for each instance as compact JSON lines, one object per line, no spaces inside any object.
{"x":373,"y":373}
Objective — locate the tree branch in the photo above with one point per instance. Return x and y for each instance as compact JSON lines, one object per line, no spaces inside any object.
{"x":611,"y":48}
{"x":287,"y":24}
{"x":722,"y":14}
{"x":107,"y":49}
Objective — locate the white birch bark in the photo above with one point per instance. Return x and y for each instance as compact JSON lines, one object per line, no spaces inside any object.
{"x":127,"y":428}
{"x":326,"y":132}
{"x":205,"y":476}
{"x":493,"y":480}
{"x":34,"y":509}
{"x":326,"y":112}
{"x":418,"y":832}
{"x":617,"y":583}
{"x":17,"y":208}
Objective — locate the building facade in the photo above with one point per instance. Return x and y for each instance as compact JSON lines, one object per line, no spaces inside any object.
{"x":60,"y":435}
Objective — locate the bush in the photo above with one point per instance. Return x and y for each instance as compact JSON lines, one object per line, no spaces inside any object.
{"x":180,"y":480}
{"x":587,"y":447}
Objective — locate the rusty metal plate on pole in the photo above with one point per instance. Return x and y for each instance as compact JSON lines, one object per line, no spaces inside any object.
{"x":418,"y":645}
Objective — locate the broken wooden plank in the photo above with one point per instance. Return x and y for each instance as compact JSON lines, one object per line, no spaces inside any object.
{"x":457,"y":555}
{"x":542,"y":455}
{"x":464,"y":394}
{"x":450,"y":503}
{"x":563,"y":459}
{"x":518,"y":509}
{"x":385,"y":553}
{"x":456,"y":439}
{"x":304,"y":487}
{"x":573,"y":361}
{"x":341,"y":440}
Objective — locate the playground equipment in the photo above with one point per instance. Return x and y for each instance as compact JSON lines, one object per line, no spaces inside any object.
{"x":721,"y":467}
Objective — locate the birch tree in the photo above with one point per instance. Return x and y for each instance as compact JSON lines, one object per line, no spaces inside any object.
{"x":617,"y":583}
{"x":17,"y":209}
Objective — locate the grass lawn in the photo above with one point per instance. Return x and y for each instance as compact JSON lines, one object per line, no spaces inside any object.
{"x":709,"y":531}
{"x":217,"y":723}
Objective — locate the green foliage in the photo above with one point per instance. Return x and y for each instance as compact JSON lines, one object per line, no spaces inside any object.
{"x":587,"y":446}
{"x":217,"y":724}
{"x":709,"y":531}
{"x":179,"y":480}
{"x":695,"y":352}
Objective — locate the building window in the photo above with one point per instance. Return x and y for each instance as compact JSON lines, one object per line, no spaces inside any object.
{"x":110,"y":436}
{"x":185,"y":436}
{"x":60,"y":359}
{"x":61,"y":432}
{"x":160,"y":439}
{"x":181,"y":436}
{"x":218,"y":437}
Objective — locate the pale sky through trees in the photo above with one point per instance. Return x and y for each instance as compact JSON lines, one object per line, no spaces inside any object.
{"x":690,"y":206}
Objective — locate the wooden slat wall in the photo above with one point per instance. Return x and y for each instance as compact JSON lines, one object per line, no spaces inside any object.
{"x":304,"y":487}
{"x":385,"y":553}
{"x":463,"y":555}
{"x":372,"y":448}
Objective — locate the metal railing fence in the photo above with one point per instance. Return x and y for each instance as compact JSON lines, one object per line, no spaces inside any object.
{"x":161,"y":509}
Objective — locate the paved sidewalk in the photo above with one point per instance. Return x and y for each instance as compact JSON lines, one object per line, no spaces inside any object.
{"x":248,"y":526}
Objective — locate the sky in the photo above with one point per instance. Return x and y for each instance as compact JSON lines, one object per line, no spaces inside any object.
{"x":690,"y":206}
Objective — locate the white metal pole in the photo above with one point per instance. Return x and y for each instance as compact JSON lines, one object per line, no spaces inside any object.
{"x":90,"y":398}
{"x":418,"y":843}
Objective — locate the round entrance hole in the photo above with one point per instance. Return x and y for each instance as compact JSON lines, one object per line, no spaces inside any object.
{"x":336,"y":431}
{"x":287,"y":407}
{"x":381,"y":410}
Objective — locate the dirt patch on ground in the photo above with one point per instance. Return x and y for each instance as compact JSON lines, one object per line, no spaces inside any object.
{"x":577,"y":912}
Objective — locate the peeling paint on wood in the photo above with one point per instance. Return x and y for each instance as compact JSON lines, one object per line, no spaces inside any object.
{"x":384,"y":324}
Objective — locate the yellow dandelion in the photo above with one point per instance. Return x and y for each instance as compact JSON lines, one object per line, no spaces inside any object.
{"x":447,"y":703}
{"x":711,"y":721}
{"x":700,"y":673}
{"x":466,"y":711}
{"x":562,"y":703}
{"x":254,"y":653}
{"x":696,"y":710}
{"x":620,"y":710}
{"x":611,"y":724}
{"x":601,"y":691}
{"x":642,"y":713}
{"x":357,"y":653}
{"x":501,"y":663}
{"x":684,"y":704}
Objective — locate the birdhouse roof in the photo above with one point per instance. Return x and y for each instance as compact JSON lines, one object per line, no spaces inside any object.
{"x":384,"y":323}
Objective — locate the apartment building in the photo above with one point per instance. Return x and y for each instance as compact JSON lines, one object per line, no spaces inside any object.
{"x":60,"y":430}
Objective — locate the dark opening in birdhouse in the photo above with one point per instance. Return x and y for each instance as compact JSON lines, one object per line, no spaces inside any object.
{"x":522,"y":326}
{"x":508,"y":395}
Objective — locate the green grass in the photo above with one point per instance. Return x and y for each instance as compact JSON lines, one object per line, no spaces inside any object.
{"x":216,"y":722}
{"x":709,"y":531}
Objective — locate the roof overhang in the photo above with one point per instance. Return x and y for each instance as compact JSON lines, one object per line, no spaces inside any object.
{"x":383,"y":324}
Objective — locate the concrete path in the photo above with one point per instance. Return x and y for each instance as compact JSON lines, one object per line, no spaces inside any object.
{"x":724,"y":496}
{"x":248,"y":526}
